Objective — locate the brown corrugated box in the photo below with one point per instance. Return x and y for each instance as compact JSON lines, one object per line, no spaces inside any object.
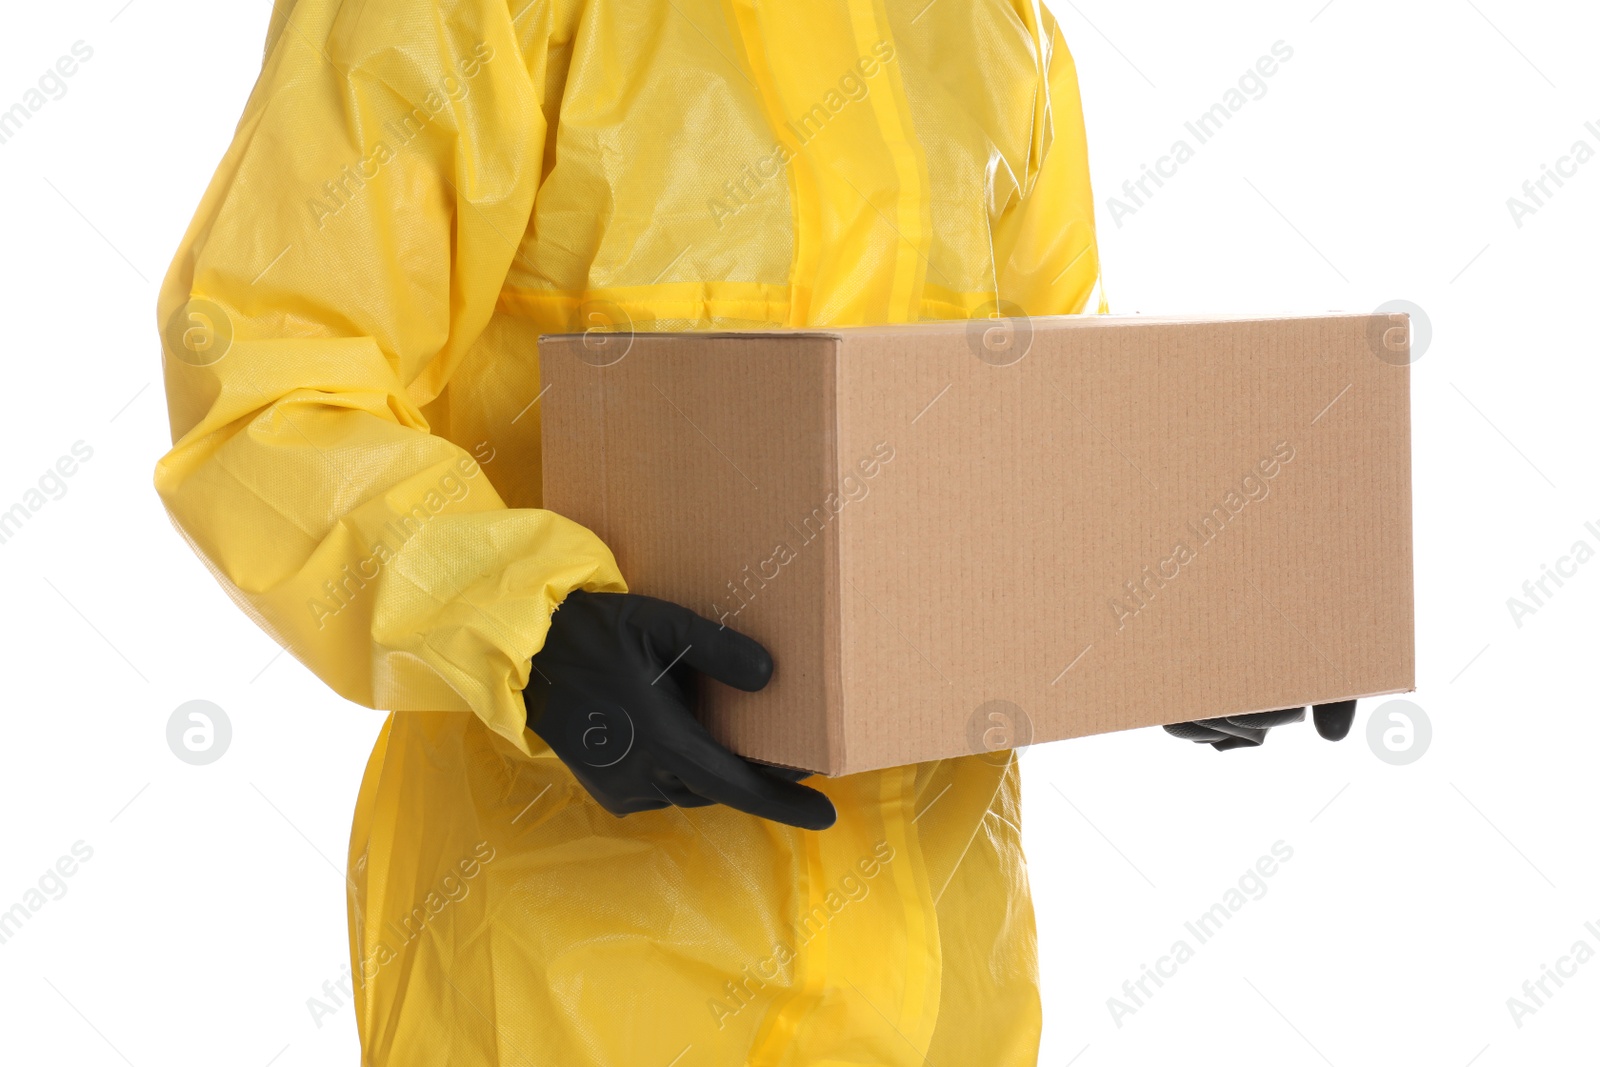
{"x":965,"y":537}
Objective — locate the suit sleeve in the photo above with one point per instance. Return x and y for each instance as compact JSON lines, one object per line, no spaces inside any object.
{"x":348,"y":251}
{"x":1045,"y":249}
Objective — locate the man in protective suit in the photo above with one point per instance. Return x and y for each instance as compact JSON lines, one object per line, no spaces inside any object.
{"x":417,"y":190}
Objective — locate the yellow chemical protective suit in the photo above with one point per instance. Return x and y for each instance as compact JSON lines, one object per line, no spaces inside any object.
{"x":416,"y":191}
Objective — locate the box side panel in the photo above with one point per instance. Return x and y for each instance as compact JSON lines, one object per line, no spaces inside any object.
{"x":572,"y":434}
{"x":827,"y":473}
{"x":1401,"y":541}
{"x":700,"y":462}
{"x":1124,"y":527}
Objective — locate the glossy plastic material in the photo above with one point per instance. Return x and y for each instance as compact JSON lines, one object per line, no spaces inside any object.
{"x":416,"y":191}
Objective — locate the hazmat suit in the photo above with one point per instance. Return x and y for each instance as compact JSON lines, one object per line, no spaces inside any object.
{"x":417,"y":189}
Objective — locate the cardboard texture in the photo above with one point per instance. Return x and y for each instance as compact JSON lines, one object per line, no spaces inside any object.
{"x":965,"y":537}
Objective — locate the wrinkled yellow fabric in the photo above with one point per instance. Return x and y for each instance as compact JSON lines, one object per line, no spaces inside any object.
{"x":417,"y":190}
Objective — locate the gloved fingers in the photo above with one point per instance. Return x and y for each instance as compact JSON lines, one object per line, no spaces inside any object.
{"x":1333,"y":720}
{"x":641,"y":787}
{"x":536,"y":698}
{"x":1247,"y":731}
{"x":713,"y":772}
{"x":1193,"y":731}
{"x":672,"y":790}
{"x":1223,"y":726}
{"x":676,"y":633}
{"x":625,"y":806}
{"x":1266,"y":720}
{"x":788,"y":774}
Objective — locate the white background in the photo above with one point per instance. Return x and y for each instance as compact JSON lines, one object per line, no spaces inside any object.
{"x":1418,"y":899}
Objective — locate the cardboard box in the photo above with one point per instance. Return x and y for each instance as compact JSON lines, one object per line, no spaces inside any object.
{"x":966,"y":537}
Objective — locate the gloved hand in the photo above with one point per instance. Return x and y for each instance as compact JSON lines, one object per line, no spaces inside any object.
{"x":1248,"y":731}
{"x":610,"y":693}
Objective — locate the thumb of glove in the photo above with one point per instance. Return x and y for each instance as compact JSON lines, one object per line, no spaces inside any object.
{"x":1333,"y":720}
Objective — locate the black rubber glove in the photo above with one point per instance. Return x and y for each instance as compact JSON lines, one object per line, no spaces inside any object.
{"x":1249,"y":731}
{"x":610,"y":693}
